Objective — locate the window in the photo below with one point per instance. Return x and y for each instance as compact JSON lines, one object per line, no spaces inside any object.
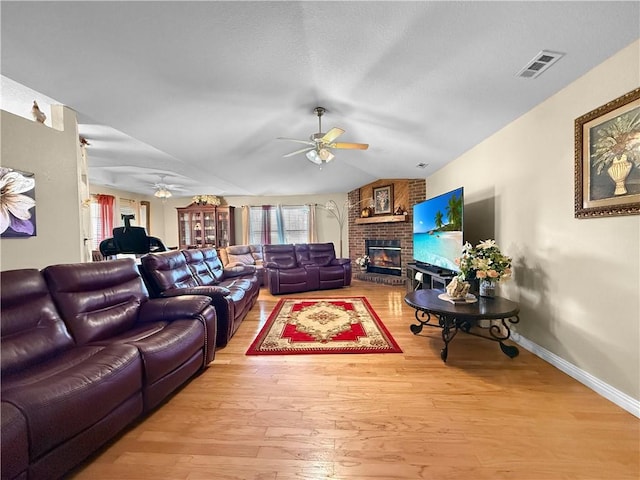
{"x":129,"y":208}
{"x":101,"y":211}
{"x":264,"y":224}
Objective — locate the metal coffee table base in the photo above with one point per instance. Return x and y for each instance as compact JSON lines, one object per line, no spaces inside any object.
{"x":450,"y":326}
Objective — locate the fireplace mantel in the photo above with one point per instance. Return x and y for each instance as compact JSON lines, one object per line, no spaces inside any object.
{"x":382,"y":219}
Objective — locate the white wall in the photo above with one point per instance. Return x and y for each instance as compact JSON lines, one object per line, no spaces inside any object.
{"x":577,"y":281}
{"x":328,"y":229}
{"x":53,"y":156}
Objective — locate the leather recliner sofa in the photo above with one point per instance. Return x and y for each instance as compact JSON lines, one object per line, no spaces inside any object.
{"x":304,"y":267}
{"x":233,"y":290}
{"x":238,"y":255}
{"x":85,"y":353}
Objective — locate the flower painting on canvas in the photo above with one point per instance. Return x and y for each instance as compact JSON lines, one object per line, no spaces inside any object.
{"x":17,"y":204}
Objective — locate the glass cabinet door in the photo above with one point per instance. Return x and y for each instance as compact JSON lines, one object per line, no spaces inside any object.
{"x":209,"y":225}
{"x":223,"y":228}
{"x":184,"y":228}
{"x":196,"y":225}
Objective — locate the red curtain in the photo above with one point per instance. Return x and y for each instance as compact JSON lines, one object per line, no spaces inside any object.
{"x":105,"y":208}
{"x":266,"y":224}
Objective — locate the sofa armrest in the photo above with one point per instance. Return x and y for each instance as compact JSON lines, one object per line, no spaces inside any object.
{"x":173,"y":308}
{"x":235,"y":270}
{"x":340,"y":261}
{"x":208,"y":290}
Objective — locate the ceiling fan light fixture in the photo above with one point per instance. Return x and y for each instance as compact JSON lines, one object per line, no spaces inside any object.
{"x":313,"y":156}
{"x":325,"y":155}
{"x":162,"y":193}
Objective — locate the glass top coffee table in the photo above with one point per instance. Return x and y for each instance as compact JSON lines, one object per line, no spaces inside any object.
{"x":432,"y":311}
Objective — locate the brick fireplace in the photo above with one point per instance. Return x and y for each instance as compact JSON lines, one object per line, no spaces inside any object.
{"x":385,"y":256}
{"x":407,"y":192}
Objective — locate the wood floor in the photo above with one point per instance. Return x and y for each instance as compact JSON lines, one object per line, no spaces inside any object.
{"x":394,"y":416}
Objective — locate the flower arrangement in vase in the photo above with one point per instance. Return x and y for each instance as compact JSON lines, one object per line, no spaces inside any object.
{"x":206,"y":200}
{"x":362,"y":262}
{"x":486,"y":263}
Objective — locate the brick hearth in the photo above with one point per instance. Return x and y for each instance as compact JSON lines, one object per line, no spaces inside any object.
{"x":380,"y":278}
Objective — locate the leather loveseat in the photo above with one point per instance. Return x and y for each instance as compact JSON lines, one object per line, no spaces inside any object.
{"x":85,"y":353}
{"x":304,"y":267}
{"x":233,"y":290}
{"x":239,"y":255}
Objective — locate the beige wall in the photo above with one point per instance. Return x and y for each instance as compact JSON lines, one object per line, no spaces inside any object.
{"x":577,"y":281}
{"x":328,"y":229}
{"x":53,"y":156}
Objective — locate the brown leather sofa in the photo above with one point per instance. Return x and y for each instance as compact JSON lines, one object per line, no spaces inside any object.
{"x":238,"y":255}
{"x":85,"y":353}
{"x":304,"y":267}
{"x":233,"y":290}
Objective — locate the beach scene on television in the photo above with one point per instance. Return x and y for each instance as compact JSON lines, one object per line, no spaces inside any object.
{"x":437,"y":230}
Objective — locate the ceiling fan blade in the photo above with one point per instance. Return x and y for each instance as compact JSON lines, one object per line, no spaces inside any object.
{"x":332,"y":134}
{"x":356,"y":146}
{"x":302,"y":150}
{"x":305,"y":142}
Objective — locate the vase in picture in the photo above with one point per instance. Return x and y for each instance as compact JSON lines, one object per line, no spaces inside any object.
{"x":618,"y":172}
{"x":487,"y":288}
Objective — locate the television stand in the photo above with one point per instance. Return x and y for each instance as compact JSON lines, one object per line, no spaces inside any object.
{"x":420,"y":277}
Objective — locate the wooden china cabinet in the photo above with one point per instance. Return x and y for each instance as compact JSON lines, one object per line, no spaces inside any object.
{"x":206,"y":226}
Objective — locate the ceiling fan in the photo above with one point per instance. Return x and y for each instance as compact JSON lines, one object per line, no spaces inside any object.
{"x":164,"y":190}
{"x":319,"y":144}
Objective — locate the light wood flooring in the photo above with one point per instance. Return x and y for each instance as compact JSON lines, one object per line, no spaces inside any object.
{"x":394,"y":416}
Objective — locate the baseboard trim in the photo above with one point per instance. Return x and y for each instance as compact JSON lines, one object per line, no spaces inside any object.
{"x":605,"y":390}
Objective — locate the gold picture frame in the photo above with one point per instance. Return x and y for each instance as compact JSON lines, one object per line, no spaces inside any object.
{"x":383,"y":200}
{"x":607,"y":159}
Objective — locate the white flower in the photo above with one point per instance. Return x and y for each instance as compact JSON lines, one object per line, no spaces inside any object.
{"x":487,"y":244}
{"x":12,"y":202}
{"x":482,"y":261}
{"x":362,"y":261}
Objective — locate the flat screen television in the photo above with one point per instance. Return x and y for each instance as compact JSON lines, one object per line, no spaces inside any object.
{"x":438,"y":231}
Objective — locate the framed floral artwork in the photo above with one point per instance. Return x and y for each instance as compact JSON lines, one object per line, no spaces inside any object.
{"x":17,"y":204}
{"x":607,"y":159}
{"x":383,"y":200}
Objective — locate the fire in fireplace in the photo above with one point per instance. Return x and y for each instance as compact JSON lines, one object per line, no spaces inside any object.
{"x":384,"y":256}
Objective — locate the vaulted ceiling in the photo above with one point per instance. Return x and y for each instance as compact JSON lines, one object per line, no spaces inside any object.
{"x":198,"y":92}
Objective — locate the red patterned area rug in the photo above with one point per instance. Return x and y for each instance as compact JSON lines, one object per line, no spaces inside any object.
{"x":323,"y":325}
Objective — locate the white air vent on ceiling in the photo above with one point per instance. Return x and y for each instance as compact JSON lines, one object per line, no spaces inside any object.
{"x":541,"y":62}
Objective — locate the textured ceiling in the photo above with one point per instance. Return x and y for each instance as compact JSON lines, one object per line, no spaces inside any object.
{"x":200,"y":91}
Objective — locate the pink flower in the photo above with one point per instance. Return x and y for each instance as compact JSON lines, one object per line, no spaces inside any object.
{"x":493,"y":274}
{"x":481,"y":274}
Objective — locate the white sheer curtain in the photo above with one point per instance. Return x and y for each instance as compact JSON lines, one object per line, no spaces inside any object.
{"x":313,"y":229}
{"x":246,"y":225}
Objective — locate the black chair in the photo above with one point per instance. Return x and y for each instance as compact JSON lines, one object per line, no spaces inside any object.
{"x":130,"y":240}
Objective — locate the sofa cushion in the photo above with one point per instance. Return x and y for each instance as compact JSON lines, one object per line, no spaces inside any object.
{"x":99,"y":299}
{"x":15,"y":445}
{"x":280,"y":256}
{"x":69,"y":393}
{"x":256,"y":252}
{"x":322,"y":254}
{"x":31,"y":327}
{"x":243,"y":259}
{"x":164,"y":346}
{"x":166,"y":270}
{"x":213,"y":262}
